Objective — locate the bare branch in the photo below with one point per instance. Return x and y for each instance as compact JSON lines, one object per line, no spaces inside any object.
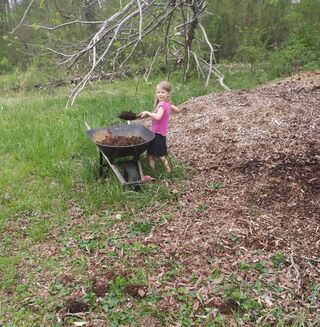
{"x":116,"y":38}
{"x":52,"y":28}
{"x":82,"y":84}
{"x":23,"y":17}
{"x":146,"y":75}
{"x":213,"y":60}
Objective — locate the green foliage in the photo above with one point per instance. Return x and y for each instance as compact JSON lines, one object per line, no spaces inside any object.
{"x":8,"y":271}
{"x":250,"y":54}
{"x":242,"y":299}
{"x":283,"y":36}
{"x":277,"y":259}
{"x":139,"y":228}
{"x":5,"y":66}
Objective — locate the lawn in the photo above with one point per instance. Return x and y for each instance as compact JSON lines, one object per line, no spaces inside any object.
{"x":55,"y":212}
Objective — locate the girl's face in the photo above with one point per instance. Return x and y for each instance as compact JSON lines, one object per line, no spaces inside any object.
{"x":162,"y":94}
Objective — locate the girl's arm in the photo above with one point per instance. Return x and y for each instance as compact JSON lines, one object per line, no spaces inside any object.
{"x":154,"y":115}
{"x":174,"y":108}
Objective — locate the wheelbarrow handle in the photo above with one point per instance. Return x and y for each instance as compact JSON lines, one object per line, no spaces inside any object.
{"x":87,"y":125}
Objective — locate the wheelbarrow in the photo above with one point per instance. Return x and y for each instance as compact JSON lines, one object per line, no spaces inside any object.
{"x":124,"y":161}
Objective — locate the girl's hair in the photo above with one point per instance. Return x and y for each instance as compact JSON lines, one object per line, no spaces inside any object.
{"x":165,"y":86}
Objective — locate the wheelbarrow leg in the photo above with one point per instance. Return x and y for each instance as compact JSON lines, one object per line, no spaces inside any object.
{"x":102,"y":171}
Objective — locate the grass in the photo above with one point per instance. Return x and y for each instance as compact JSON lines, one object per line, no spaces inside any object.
{"x":54,"y":212}
{"x":61,"y":226}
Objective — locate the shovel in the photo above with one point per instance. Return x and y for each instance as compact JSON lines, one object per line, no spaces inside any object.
{"x":129,"y":115}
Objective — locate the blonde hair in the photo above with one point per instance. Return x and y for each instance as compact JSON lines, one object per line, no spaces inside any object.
{"x":165,"y":86}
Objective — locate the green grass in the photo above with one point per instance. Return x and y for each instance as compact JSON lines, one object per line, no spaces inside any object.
{"x":54,"y":211}
{"x":61,"y":226}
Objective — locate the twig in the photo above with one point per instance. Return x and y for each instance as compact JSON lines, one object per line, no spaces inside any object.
{"x":52,"y":28}
{"x":296,"y":269}
{"x":310,"y":259}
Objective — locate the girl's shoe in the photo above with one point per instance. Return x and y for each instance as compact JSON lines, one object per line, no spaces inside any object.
{"x":148,"y":178}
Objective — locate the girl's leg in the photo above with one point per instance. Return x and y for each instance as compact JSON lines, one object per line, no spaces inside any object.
{"x":165,"y":164}
{"x":152,"y":162}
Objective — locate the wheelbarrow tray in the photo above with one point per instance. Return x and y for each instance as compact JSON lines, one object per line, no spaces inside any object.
{"x":112,"y":151}
{"x":132,"y":171}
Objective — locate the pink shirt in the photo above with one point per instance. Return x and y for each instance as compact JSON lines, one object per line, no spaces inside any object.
{"x":161,"y":126}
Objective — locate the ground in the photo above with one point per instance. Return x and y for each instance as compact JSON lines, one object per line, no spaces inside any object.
{"x":239,"y":245}
{"x":236,"y":244}
{"x":252,"y":199}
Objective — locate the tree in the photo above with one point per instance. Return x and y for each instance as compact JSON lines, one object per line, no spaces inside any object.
{"x":116,"y":29}
{"x":4,"y":11}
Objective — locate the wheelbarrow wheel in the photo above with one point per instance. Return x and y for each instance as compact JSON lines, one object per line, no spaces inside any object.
{"x":130,"y":172}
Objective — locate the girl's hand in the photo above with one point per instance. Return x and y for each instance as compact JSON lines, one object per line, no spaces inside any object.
{"x":175,"y":108}
{"x":144,"y":114}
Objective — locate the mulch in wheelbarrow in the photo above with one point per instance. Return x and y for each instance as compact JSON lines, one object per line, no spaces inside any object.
{"x":110,"y":139}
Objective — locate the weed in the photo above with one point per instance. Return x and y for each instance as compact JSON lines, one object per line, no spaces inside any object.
{"x":140,"y":228}
{"x":39,"y":231}
{"x":243,"y":300}
{"x":201,"y":207}
{"x":215,"y":274}
{"x":277,"y":259}
{"x":215,"y":186}
{"x":244,"y":266}
{"x":260,"y":266}
{"x":89,"y":245}
{"x":8,"y":271}
{"x":236,"y":238}
{"x":275,"y":288}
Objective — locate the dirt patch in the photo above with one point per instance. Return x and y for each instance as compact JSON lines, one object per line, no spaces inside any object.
{"x":76,"y":306}
{"x":100,"y":283}
{"x":66,"y":279}
{"x":136,"y":291}
{"x":100,"y":288}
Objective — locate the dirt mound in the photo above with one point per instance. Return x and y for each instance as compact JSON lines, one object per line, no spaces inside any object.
{"x":255,"y":186}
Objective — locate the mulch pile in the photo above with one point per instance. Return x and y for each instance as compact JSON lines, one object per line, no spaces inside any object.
{"x":254,"y":192}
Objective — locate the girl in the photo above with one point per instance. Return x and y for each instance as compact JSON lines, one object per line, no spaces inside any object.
{"x":160,"y":121}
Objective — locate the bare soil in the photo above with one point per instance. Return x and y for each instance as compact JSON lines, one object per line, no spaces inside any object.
{"x":136,"y":291}
{"x":76,"y":305}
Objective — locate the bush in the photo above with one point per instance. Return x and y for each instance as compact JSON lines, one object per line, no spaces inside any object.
{"x":5,"y":66}
{"x":291,"y":59}
{"x":250,"y":54}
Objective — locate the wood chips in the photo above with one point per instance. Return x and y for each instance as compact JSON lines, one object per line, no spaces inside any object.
{"x":254,"y":191}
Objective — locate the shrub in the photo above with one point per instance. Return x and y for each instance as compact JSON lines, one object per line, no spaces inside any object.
{"x":5,"y":66}
{"x":250,"y":54}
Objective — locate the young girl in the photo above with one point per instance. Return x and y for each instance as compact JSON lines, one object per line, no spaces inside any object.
{"x":160,"y":121}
